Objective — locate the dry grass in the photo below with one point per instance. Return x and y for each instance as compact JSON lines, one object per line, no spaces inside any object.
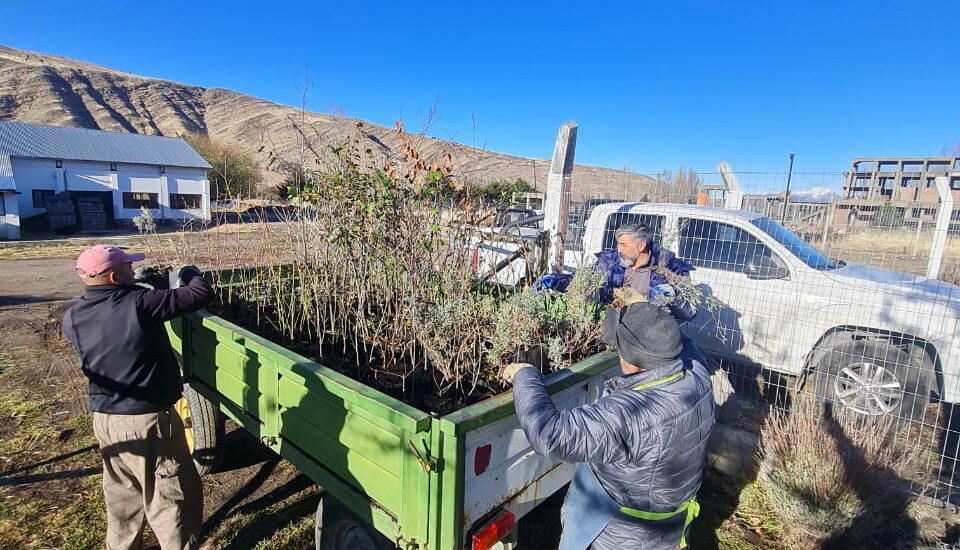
{"x":900,"y":250}
{"x":41,"y":251}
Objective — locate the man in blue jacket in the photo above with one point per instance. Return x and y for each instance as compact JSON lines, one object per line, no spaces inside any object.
{"x":118,"y":330}
{"x":640,"y":264}
{"x":640,"y":448}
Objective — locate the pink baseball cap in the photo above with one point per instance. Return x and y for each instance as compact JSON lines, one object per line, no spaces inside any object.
{"x":97,"y":259}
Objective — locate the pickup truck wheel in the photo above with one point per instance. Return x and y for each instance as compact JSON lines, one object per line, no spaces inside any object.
{"x":204,"y":427}
{"x":336,"y":528}
{"x":874,"y":379}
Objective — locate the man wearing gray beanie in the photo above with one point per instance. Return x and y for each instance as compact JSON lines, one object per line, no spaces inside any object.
{"x":640,"y":448}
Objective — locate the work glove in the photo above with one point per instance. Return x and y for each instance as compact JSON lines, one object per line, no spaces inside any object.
{"x":627,"y":296}
{"x":510,"y":371}
{"x":662,"y":295}
{"x":187,"y":273}
{"x":154,"y":276}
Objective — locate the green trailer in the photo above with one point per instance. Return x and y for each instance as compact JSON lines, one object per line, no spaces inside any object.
{"x":393,"y":476}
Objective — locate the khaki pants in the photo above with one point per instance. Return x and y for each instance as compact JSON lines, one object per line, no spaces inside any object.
{"x":148,"y":475}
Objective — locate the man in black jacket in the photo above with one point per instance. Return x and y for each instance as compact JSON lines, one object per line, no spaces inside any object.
{"x":117,"y":328}
{"x":639,"y":449}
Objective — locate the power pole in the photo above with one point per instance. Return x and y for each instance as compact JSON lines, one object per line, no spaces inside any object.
{"x":786,"y":196}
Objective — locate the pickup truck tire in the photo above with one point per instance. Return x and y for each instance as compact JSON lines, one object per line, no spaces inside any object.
{"x":337,"y":528}
{"x":204,"y":426}
{"x":874,"y":378}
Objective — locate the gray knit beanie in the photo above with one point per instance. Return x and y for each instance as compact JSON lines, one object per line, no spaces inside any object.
{"x":645,"y":335}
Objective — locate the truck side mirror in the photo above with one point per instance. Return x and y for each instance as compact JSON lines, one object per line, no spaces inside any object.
{"x":762,"y":267}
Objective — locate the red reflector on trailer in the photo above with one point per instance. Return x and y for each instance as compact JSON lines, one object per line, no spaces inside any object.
{"x":481,"y":459}
{"x":474,"y":259}
{"x":494,"y":531}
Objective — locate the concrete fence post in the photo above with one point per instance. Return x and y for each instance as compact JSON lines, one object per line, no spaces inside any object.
{"x":943,"y":226}
{"x":556,"y":201}
{"x":733,"y":197}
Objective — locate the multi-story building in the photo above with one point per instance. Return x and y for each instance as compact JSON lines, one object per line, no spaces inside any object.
{"x":900,"y":179}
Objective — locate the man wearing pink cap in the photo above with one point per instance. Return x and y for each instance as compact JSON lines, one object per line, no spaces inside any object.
{"x":117,"y":328}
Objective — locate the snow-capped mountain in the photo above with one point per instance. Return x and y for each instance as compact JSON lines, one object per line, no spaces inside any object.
{"x":816,"y":194}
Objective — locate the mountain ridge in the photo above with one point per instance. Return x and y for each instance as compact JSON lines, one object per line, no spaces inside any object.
{"x":50,"y":89}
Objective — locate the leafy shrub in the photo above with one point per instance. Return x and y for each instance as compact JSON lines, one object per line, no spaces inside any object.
{"x":832,"y":476}
{"x":144,"y":221}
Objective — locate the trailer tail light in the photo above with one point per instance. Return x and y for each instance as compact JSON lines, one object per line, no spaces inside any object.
{"x":494,"y":531}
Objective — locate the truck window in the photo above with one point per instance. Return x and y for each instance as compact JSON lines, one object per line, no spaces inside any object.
{"x":619,"y":219}
{"x":716,"y":245}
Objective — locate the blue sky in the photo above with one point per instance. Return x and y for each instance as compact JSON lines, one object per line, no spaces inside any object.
{"x":651,"y":85}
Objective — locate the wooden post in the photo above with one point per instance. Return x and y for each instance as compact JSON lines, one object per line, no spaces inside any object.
{"x":943,"y":225}
{"x":557,"y":199}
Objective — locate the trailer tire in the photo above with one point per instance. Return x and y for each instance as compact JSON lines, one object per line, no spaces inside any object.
{"x":336,"y":528}
{"x":204,"y":427}
{"x":874,"y":378}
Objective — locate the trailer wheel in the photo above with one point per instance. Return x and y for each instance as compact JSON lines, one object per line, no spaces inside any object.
{"x":336,"y":528}
{"x":874,"y":379}
{"x":204,"y":427}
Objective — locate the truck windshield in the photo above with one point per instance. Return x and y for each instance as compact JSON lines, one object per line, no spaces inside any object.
{"x":797,"y":246}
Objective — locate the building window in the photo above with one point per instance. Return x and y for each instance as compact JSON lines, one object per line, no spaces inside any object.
{"x":138,"y":200}
{"x":42,"y":196}
{"x":186,"y":202}
{"x":59,"y":164}
{"x":113,"y":166}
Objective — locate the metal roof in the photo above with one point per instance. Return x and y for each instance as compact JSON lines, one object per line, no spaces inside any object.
{"x":19,"y":139}
{"x":6,"y":174}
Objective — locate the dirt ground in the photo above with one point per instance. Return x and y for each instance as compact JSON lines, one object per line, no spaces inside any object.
{"x":49,"y":464}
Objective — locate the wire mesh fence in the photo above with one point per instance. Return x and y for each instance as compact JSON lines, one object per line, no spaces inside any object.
{"x":816,"y":294}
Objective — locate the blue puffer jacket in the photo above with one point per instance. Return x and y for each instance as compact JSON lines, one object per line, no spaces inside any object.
{"x":647,"y":448}
{"x":613,"y":273}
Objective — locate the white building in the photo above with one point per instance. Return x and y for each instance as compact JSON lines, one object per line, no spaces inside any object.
{"x":122,"y":171}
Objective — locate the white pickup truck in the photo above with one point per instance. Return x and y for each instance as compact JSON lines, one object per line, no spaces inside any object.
{"x":874,"y":340}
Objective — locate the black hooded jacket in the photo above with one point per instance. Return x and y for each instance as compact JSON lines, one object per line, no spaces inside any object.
{"x":119,"y":334}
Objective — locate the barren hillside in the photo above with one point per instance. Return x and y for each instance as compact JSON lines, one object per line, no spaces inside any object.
{"x":54,"y":90}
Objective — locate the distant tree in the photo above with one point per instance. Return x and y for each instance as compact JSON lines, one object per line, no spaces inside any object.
{"x":951,"y":151}
{"x":298,"y":179}
{"x":235,"y":174}
{"x":503,"y":190}
{"x":682,"y":186}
